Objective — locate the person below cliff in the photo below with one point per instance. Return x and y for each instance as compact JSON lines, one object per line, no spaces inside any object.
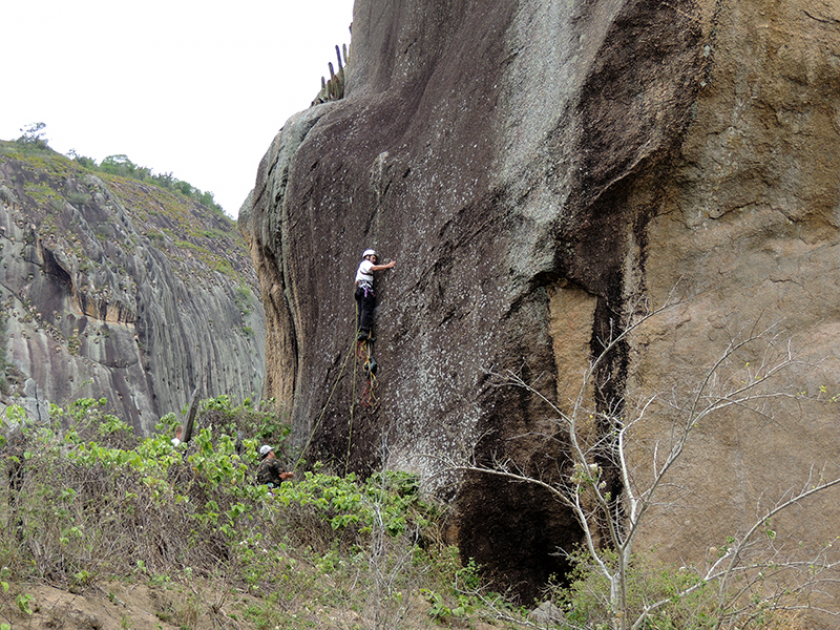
{"x":13,"y":453}
{"x":270,"y":472}
{"x":179,"y":433}
{"x":365,"y":297}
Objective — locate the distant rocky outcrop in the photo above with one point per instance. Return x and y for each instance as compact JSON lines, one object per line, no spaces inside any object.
{"x":539,"y":170}
{"x":118,"y":289}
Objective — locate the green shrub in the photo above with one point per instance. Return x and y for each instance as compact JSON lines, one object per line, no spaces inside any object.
{"x":389,"y":500}
{"x":586,"y":600}
{"x":79,"y":198}
{"x":260,"y":420}
{"x":97,"y":501}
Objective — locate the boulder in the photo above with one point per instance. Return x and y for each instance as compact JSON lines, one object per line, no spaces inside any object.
{"x":540,"y":172}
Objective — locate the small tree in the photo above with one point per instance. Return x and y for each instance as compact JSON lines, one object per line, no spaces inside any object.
{"x":600,"y":436}
{"x":34,"y":135}
{"x":119,"y":164}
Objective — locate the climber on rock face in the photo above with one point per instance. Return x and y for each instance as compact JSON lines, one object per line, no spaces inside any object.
{"x":365,"y":298}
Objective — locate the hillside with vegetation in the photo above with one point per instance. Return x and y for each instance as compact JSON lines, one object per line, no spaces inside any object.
{"x":104,"y":529}
{"x":114,"y":286}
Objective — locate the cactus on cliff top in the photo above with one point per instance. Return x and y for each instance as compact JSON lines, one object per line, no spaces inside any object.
{"x":333,"y":89}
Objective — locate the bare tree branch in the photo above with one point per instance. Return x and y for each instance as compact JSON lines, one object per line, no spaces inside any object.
{"x":730,"y":381}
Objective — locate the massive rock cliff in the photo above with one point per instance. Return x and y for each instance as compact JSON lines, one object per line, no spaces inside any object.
{"x":118,"y":289}
{"x":540,"y":171}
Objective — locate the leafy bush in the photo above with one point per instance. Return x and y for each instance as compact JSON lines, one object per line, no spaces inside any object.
{"x":79,"y":198}
{"x":261,"y":421}
{"x":323,"y":508}
{"x":33,"y":136}
{"x":97,"y":501}
{"x":586,"y":600}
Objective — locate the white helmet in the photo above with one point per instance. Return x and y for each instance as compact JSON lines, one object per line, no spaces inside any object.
{"x":368,"y":252}
{"x":265,"y":449}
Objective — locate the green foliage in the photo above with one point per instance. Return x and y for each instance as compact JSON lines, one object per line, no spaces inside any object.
{"x":79,"y":198}
{"x":441,"y":612}
{"x":461,"y":600}
{"x":122,"y":166}
{"x":192,"y":514}
{"x":4,"y":592}
{"x":34,"y":135}
{"x":81,"y":160}
{"x":89,"y":417}
{"x":34,"y":141}
{"x":587,"y":598}
{"x":248,"y":419}
{"x":40,"y":193}
{"x":24,"y":601}
{"x":387,"y":499}
{"x":244,"y":299}
{"x":16,"y":414}
{"x":223,"y":267}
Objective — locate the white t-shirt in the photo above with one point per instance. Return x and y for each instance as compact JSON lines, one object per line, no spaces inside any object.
{"x":364,"y":275}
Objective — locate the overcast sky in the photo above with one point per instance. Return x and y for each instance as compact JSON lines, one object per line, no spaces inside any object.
{"x":191,"y":87}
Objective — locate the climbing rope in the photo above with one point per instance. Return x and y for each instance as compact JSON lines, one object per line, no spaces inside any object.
{"x":368,"y":363}
{"x":363,"y":355}
{"x":324,"y":409}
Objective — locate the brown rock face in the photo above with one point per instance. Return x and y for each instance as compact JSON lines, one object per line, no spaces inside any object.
{"x":537,"y":168}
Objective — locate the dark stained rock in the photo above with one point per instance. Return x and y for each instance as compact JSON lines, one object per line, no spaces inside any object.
{"x":537,"y":169}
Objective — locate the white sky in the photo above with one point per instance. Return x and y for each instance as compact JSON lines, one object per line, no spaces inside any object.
{"x":197,"y":88}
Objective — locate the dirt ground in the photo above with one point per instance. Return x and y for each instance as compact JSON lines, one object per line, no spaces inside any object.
{"x":123,"y":606}
{"x":97,"y":608}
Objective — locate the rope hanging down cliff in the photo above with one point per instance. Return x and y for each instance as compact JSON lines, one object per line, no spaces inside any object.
{"x":363,"y":342}
{"x":365,"y":357}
